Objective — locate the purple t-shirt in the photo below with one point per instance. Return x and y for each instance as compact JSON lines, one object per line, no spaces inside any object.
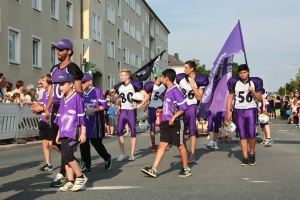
{"x":94,"y":99}
{"x":173,"y":102}
{"x":45,"y":99}
{"x":71,"y":68}
{"x":70,"y":115}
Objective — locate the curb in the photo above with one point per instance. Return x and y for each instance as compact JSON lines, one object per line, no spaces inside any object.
{"x":19,"y":146}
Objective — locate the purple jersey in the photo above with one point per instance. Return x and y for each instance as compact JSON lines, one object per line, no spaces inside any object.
{"x":70,"y":115}
{"x":173,"y":102}
{"x":94,"y":99}
{"x":71,"y":68}
{"x":45,"y":99}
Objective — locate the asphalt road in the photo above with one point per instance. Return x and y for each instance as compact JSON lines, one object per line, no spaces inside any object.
{"x":215,"y":175}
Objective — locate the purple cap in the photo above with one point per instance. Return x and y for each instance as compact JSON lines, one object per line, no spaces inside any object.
{"x":87,"y":77}
{"x":64,"y":44}
{"x":65,"y":77}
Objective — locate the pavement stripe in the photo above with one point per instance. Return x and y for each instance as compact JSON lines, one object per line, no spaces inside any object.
{"x":260,"y":181}
{"x":90,"y":188}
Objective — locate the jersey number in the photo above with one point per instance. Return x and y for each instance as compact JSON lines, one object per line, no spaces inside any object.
{"x":190,"y":95}
{"x":157,"y":96}
{"x":128,"y":98}
{"x":249,"y":97}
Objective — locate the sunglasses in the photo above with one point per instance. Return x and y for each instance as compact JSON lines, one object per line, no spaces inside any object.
{"x":60,"y":50}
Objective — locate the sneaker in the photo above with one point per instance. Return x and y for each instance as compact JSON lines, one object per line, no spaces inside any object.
{"x":245,"y":162}
{"x":191,"y":160}
{"x":81,"y":165}
{"x":210,"y":144}
{"x":46,"y":168}
{"x":208,"y":137}
{"x":149,"y":171}
{"x":154,"y":147}
{"x":184,"y":173}
{"x":126,"y":134}
{"x":86,"y":171}
{"x":121,"y":158}
{"x":131,"y":158}
{"x":59,"y":181}
{"x":79,"y":183}
{"x":268,"y":142}
{"x":226,"y":139}
{"x":66,"y":187}
{"x":108,"y":163}
{"x":263,"y":142}
{"x":256,"y":134}
{"x":220,"y":140}
{"x":252,"y":160}
{"x":215,"y":146}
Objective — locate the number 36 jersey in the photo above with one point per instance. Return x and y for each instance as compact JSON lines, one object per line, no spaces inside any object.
{"x":184,"y":83}
{"x":243,"y":97}
{"x":157,"y":94}
{"x":126,"y":91}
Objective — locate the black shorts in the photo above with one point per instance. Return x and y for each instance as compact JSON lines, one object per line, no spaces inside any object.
{"x":68,"y":147}
{"x":112,"y":122}
{"x":172,"y":134}
{"x":54,"y":127}
{"x":45,"y":131}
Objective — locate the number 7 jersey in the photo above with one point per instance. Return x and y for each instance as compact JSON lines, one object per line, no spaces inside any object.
{"x":243,"y":97}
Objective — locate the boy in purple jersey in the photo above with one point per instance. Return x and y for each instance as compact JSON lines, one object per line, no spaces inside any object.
{"x":95,"y":104}
{"x":171,"y":127}
{"x":246,"y":91}
{"x":69,"y":117}
{"x":126,"y":89}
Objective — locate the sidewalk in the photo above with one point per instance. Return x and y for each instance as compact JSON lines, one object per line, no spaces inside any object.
{"x":19,"y":146}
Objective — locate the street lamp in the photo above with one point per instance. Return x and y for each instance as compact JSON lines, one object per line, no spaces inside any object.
{"x":274,"y":73}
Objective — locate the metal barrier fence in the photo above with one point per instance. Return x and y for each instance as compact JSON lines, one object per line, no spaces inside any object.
{"x":17,"y":122}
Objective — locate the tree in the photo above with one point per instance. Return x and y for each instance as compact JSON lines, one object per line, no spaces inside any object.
{"x":235,"y":69}
{"x":291,"y":86}
{"x":201,"y":69}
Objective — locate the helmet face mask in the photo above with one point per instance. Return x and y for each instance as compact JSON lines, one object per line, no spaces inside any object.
{"x":136,"y":99}
{"x":144,"y":124}
{"x":230,"y":127}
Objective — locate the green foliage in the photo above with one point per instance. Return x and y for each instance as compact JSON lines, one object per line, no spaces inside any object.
{"x":235,"y":69}
{"x":201,"y":69}
{"x":291,"y":86}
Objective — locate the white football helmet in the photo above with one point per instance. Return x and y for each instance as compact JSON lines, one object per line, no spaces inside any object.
{"x":137,"y":98}
{"x":230,"y":127}
{"x":263,"y":118}
{"x":144,"y":124}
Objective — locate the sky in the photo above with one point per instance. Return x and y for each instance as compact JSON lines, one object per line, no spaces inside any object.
{"x":271,"y":32}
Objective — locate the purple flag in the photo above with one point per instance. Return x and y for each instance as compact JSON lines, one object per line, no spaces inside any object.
{"x":221,"y":72}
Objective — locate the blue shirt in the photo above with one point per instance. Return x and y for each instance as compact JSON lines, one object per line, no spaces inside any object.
{"x":112,"y":110}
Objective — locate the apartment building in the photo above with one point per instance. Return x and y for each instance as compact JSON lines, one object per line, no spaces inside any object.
{"x":116,"y":33}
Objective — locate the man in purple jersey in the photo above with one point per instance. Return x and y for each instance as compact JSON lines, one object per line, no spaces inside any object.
{"x":64,"y":53}
{"x":172,"y":125}
{"x":246,"y":91}
{"x":70,"y":117}
{"x":126,"y":89}
{"x":95,"y":104}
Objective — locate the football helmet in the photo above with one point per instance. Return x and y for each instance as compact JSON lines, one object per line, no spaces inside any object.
{"x":144,"y":124}
{"x":136,"y":99}
{"x":229,"y":127}
{"x":263,"y":118}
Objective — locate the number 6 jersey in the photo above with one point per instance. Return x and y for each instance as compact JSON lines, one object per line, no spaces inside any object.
{"x":157,"y":94}
{"x":126,"y":91}
{"x":243,"y":97}
{"x":184,"y":83}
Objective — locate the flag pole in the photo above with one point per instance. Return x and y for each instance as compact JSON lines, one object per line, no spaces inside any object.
{"x":243,"y":42}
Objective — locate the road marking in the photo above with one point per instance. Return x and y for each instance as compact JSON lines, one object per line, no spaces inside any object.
{"x":90,"y":188}
{"x":260,"y":181}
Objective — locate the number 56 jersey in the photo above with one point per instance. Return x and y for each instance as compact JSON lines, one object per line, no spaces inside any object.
{"x":157,"y":92}
{"x":243,"y":97}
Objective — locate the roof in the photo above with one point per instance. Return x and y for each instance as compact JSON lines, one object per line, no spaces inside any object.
{"x":174,"y":61}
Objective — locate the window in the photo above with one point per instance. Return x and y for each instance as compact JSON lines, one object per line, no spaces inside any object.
{"x":37,"y":5}
{"x":147,"y":18}
{"x":126,"y":55}
{"x":132,"y":4}
{"x":138,"y":8}
{"x":14,"y":46}
{"x":96,"y":26}
{"x":139,"y":62}
{"x":146,"y":42}
{"x":143,"y":27}
{"x":138,"y":34}
{"x":110,"y":81}
{"x":110,"y":13}
{"x":69,"y":13}
{"x":157,"y":29}
{"x":127,"y":1}
{"x":54,"y":9}
{"x":119,"y":8}
{"x":143,"y":53}
{"x":54,"y":59}
{"x":119,"y":70}
{"x":132,"y":30}
{"x":110,"y":48}
{"x":126,"y":25}
{"x":36,"y":52}
{"x":119,"y":38}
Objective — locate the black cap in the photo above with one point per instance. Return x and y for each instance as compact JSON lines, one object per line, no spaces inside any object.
{"x":243,"y":67}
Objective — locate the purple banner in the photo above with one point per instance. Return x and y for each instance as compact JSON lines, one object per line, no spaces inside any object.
{"x":233,"y":45}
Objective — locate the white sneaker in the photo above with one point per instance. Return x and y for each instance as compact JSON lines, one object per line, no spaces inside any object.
{"x":210,"y":144}
{"x":66,"y":187}
{"x":268,"y":142}
{"x":215,"y":146}
{"x":126,"y":134}
{"x":131,"y":158}
{"x":208,"y":137}
{"x":121,"y":158}
{"x":79,"y":183}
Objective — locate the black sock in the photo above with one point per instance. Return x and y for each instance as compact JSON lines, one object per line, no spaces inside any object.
{"x":82,"y":176}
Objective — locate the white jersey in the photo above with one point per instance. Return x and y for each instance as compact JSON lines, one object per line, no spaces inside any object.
{"x":243,"y":96}
{"x":188,"y":92}
{"x":157,"y":95}
{"x":266,"y":96}
{"x":125,"y":94}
